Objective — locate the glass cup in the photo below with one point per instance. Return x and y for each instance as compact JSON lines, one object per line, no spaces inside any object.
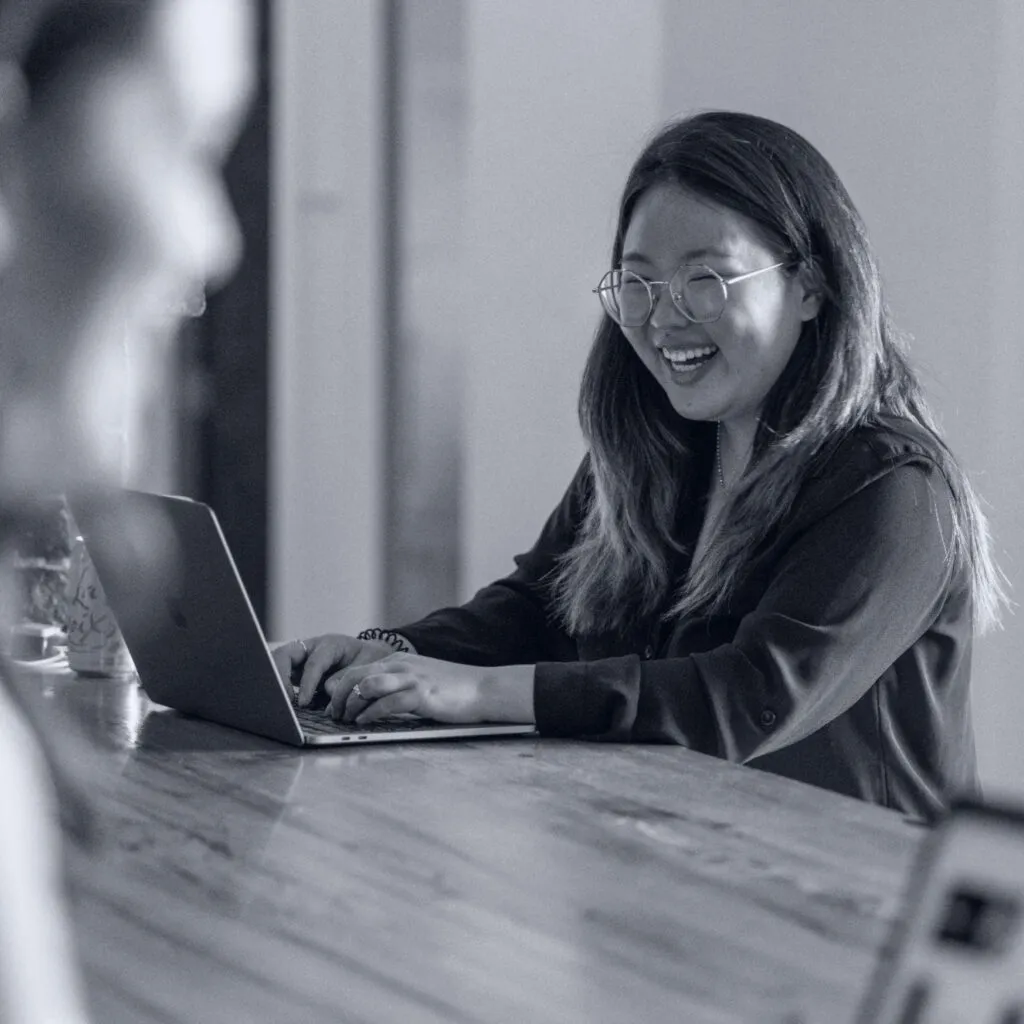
{"x":95,"y":644}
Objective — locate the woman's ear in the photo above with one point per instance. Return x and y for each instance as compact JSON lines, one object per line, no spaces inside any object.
{"x":812,"y":285}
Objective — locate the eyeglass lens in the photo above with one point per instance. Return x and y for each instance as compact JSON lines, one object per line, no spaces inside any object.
{"x":696,"y":291}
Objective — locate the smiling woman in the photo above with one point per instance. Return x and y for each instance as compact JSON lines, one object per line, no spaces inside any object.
{"x":768,"y":553}
{"x":736,"y":350}
{"x":114,"y":118}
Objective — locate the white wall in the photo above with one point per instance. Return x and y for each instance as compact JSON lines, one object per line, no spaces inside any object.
{"x":998,"y":675}
{"x":554,"y":126}
{"x":326,"y":380}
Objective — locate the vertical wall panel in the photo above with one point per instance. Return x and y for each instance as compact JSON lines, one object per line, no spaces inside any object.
{"x":425,"y":285}
{"x":562,"y":95}
{"x":326,"y":369}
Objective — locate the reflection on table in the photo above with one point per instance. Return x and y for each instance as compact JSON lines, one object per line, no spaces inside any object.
{"x":240,"y":880}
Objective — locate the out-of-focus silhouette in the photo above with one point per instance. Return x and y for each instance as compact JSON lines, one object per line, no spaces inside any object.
{"x":115,"y":118}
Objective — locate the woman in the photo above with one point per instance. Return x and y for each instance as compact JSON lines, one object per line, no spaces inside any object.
{"x":768,"y":554}
{"x":115,"y":116}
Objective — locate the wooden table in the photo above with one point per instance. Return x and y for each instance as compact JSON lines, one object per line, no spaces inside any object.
{"x":238,"y":880}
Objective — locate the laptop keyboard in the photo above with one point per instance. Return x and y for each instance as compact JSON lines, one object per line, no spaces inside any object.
{"x":317,"y":722}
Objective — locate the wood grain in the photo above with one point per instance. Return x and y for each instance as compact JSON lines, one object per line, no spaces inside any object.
{"x":237,"y":880}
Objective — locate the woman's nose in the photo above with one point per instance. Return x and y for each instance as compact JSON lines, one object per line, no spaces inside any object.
{"x":223,"y":249}
{"x":210,"y":236}
{"x":664,"y":312}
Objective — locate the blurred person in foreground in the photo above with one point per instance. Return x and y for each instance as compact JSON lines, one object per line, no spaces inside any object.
{"x":768,"y":553}
{"x":115,"y":119}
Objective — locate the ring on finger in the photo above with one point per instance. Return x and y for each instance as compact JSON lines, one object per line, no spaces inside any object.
{"x":305,"y":649}
{"x":356,"y":692}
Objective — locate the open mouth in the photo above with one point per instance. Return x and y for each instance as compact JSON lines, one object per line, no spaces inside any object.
{"x":689,"y":360}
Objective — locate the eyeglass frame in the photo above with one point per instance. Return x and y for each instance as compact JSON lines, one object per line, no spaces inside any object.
{"x":724,"y":281}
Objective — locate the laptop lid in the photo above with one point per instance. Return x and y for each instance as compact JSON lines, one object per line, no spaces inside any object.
{"x":173,"y":587}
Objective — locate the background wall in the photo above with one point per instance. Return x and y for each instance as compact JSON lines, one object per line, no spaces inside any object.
{"x":426,"y":271}
{"x":561,"y":97}
{"x":326,"y":400}
{"x":1000,"y":686}
{"x":919,"y":107}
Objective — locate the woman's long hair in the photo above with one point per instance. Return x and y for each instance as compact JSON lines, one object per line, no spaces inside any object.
{"x":848,"y":369}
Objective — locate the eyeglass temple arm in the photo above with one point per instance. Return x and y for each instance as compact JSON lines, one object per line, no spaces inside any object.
{"x":754,"y":273}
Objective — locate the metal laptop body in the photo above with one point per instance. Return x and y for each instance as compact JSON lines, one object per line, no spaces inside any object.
{"x":179,"y":601}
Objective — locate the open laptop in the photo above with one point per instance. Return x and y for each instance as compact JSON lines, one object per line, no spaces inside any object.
{"x":197,"y":645}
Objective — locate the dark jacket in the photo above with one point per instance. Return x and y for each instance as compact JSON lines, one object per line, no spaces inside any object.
{"x":844,"y":659}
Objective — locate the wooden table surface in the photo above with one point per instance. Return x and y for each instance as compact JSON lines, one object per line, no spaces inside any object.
{"x":238,"y":880}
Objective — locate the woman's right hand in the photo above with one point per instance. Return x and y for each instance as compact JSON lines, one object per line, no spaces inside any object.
{"x":308,"y":662}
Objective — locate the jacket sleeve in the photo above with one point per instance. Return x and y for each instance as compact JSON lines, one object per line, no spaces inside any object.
{"x":510,"y":622}
{"x":850,"y":594}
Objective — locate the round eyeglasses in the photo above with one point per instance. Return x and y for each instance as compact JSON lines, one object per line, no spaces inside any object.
{"x":697,"y":291}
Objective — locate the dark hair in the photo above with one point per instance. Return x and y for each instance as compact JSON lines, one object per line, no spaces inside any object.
{"x":848,"y":369}
{"x":54,"y":36}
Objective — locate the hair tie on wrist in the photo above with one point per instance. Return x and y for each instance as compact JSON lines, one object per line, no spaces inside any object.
{"x":389,"y":636}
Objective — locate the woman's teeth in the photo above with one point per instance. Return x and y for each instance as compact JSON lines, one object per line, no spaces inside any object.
{"x":688,"y":359}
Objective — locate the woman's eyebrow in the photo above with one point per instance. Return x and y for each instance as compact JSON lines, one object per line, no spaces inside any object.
{"x":638,"y":257}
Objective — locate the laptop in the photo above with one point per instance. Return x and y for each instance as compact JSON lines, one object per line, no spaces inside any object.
{"x":174,"y":589}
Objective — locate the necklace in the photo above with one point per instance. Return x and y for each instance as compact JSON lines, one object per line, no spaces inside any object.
{"x":718,"y":453}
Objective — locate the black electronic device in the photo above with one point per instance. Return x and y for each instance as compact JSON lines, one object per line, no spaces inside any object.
{"x":956,"y":952}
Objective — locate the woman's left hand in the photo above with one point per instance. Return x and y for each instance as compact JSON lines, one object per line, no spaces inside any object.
{"x":442,"y":690}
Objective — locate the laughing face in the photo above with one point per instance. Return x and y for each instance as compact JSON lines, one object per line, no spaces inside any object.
{"x":722,"y":370}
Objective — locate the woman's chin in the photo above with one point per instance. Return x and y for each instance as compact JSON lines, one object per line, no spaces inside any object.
{"x":698,"y":408}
